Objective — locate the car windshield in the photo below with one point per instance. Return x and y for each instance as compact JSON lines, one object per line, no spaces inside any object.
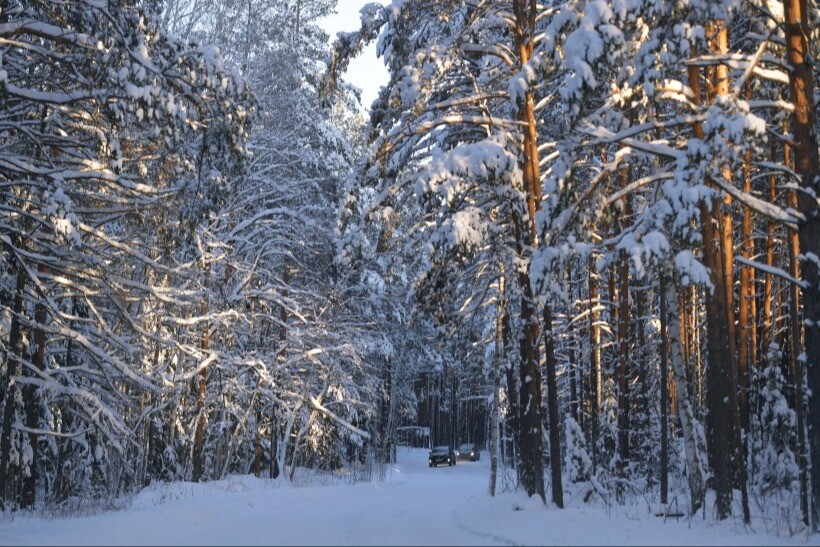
{"x":440,"y":450}
{"x":469,"y":447}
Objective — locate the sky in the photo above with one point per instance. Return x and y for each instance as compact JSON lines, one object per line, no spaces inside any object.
{"x":366,"y":71}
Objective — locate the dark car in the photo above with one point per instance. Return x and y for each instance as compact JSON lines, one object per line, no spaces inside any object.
{"x":442,"y":454}
{"x":468,"y":451}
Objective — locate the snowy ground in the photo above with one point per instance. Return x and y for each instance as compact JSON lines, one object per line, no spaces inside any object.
{"x":415,"y":505}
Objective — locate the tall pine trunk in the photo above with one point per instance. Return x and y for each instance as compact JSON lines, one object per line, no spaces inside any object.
{"x":795,"y":346}
{"x":768,"y":278}
{"x":722,"y":417}
{"x":623,"y":359}
{"x":530,"y":446}
{"x":807,"y":167}
{"x":495,"y":410}
{"x":745,"y":317}
{"x":595,"y":362}
{"x":664,"y":393}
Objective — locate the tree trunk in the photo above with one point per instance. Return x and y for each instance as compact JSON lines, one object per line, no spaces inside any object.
{"x":529,"y":400}
{"x":494,"y":413}
{"x":452,"y":440}
{"x":61,"y":482}
{"x":274,"y":444}
{"x":721,"y":397}
{"x":641,"y":427}
{"x":720,"y":375}
{"x":32,"y":398}
{"x":807,"y":167}
{"x":62,"y":487}
{"x":14,"y":365}
{"x":201,"y":392}
{"x":595,"y":361}
{"x":694,"y":466}
{"x":277,"y":452}
{"x":623,"y":343}
{"x":795,"y":346}
{"x":573,"y":383}
{"x":664,"y":395}
{"x":766,"y":313}
{"x":512,"y":424}
{"x":530,"y":448}
{"x":552,"y":409}
{"x":257,"y":446}
{"x":745,"y":316}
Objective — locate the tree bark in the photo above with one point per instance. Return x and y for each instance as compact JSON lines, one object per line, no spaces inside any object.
{"x":807,"y":168}
{"x":32,"y":399}
{"x":512,"y":422}
{"x":722,"y":418}
{"x":14,"y":365}
{"x":694,"y":466}
{"x":795,"y":346}
{"x":664,"y":395}
{"x":768,"y":293}
{"x":201,"y":392}
{"x":641,"y":427}
{"x":530,"y":448}
{"x":623,"y":342}
{"x":274,"y":444}
{"x":745,"y":316}
{"x":277,"y":453}
{"x":552,"y":409}
{"x":595,"y":362}
{"x":529,"y":400}
{"x":494,"y":412}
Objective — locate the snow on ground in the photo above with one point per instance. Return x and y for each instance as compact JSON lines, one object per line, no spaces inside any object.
{"x":414,"y":505}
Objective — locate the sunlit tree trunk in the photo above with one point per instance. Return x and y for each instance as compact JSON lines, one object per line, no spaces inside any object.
{"x":595,"y":360}
{"x":722,"y":423}
{"x":530,"y":444}
{"x":768,"y":292}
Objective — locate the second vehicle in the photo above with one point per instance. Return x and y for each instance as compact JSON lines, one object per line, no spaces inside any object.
{"x":468,"y":451}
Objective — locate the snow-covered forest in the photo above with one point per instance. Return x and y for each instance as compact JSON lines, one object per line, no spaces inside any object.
{"x":582,"y":234}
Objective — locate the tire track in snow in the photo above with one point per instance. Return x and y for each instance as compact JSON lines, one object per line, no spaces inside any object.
{"x":488,"y":535}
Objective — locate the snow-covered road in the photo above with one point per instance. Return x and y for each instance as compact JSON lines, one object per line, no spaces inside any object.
{"x":415,"y":505}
